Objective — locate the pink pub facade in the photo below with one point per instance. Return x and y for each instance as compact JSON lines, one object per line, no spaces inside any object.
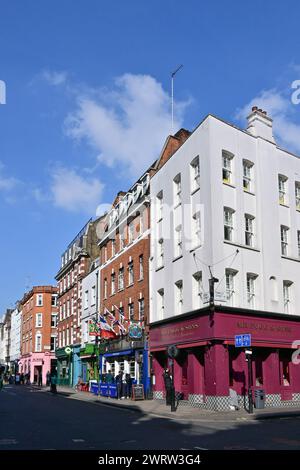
{"x":209,"y":365}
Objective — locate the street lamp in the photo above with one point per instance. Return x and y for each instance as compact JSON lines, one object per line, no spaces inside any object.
{"x":248,"y":353}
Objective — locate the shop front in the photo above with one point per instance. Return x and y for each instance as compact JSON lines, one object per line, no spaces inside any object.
{"x":209,"y":366}
{"x":124,"y":355}
{"x":64,"y":366}
{"x":89,"y":363}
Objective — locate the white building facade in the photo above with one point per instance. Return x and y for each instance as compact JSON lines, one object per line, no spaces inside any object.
{"x":15,"y":337}
{"x":227,"y":205}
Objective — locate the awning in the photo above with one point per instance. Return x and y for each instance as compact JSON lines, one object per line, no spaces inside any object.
{"x":128,"y":352}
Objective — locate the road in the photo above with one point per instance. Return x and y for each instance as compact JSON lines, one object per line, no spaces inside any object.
{"x":35,"y":419}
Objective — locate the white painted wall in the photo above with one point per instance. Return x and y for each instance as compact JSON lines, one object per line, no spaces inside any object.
{"x":15,"y":335}
{"x":208,"y":140}
{"x":92,"y":309}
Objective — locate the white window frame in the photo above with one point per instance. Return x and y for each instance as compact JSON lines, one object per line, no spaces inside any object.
{"x":177,"y":190}
{"x":39,"y":300}
{"x":93,"y":295}
{"x":284,"y":237}
{"x":282,"y":189}
{"x":38,"y":344}
{"x":130,"y":274}
{"x":195,"y":174}
{"x":159,"y":206}
{"x":141,"y":303}
{"x":141,"y":267}
{"x":86,"y":299}
{"x":251,"y":289}
{"x":229,"y":223}
{"x":227,"y":167}
{"x":230,"y":281}
{"x":38,"y":320}
{"x":160,"y":253}
{"x":178,"y":241}
{"x":178,"y":297}
{"x":297,"y":195}
{"x":113,"y":284}
{"x":121,"y":283}
{"x":249,"y":230}
{"x":248,"y":175}
{"x":287,"y":287}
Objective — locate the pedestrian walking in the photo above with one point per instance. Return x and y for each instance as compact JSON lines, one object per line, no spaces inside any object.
{"x":48,"y":377}
{"x":168,"y":385}
{"x":40,"y":380}
{"x":53,"y":382}
{"x":128,"y":386}
{"x":119,"y":383}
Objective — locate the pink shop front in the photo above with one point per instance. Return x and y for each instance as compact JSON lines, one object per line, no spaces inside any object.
{"x":35,"y":364}
{"x":209,"y":364}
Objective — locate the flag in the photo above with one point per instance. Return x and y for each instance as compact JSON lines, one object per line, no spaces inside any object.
{"x":122,"y":328}
{"x":108,"y":334}
{"x":104,"y":325}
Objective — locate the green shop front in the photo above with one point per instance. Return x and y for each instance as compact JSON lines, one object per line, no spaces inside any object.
{"x":89,"y":363}
{"x":64,"y":366}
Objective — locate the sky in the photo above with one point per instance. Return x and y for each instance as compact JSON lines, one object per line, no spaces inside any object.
{"x":87,"y":104}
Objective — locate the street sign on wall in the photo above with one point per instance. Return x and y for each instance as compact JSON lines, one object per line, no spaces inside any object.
{"x":242,"y":341}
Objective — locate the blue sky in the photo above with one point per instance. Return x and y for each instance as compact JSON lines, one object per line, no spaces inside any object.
{"x":88,"y":104}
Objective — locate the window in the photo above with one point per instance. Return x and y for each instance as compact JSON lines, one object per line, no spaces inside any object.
{"x":141,"y":309}
{"x":297,"y":195}
{"x":160,"y":253}
{"x":130,"y":273}
{"x":298,"y":241}
{"x":196,"y":229}
{"x":141,"y":225}
{"x":247,"y":175}
{"x":178,"y":241}
{"x":121,"y":278}
{"x":141,"y":267}
{"x":64,"y":310}
{"x":68,"y":308}
{"x":105,"y":254}
{"x":178,"y":297}
{"x":113,"y":283}
{"x":249,"y":230}
{"x":197,"y":289}
{"x":113,"y":247}
{"x":228,"y":224}
{"x":159,"y":206}
{"x":39,"y":300}
{"x":93,"y":295}
{"x":195,"y":174}
{"x":130,"y":232}
{"x":284,"y":240}
{"x":38,"y":342}
{"x":287,"y":286}
{"x":122,"y":240}
{"x":53,"y":320}
{"x":86,"y":299}
{"x":38,"y":320}
{"x":52,"y":343}
{"x":68,"y":280}
{"x":251,"y":289}
{"x":54,"y":300}
{"x":160,"y":303}
{"x":105,"y":289}
{"x":177,"y":189}
{"x":230,"y":285}
{"x":227,"y":167}
{"x":131,"y":311}
{"x":72,"y":306}
{"x":282,"y":188}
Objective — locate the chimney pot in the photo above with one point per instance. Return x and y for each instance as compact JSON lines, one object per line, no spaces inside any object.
{"x":254,"y":108}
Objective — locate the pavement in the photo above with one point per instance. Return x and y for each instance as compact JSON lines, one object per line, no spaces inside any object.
{"x":158,"y":408}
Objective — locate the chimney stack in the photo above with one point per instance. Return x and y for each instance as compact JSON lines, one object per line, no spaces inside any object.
{"x":260,"y":124}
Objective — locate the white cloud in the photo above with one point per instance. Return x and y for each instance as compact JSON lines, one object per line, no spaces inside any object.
{"x":127,"y":125}
{"x":7,"y":183}
{"x":55,"y":78}
{"x":284,"y":113}
{"x":72,"y":192}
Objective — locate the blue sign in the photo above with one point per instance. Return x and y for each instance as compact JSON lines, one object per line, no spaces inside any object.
{"x":242,"y":341}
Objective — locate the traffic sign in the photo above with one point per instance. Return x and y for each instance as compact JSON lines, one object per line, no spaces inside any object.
{"x":243,"y":341}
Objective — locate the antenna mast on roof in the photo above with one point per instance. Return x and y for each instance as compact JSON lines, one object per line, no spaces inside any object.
{"x":172,"y":94}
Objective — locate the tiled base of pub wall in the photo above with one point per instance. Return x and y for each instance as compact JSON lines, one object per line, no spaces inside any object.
{"x":214,"y":403}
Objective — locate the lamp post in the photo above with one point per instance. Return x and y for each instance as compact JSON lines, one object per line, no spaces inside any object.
{"x":248,"y":353}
